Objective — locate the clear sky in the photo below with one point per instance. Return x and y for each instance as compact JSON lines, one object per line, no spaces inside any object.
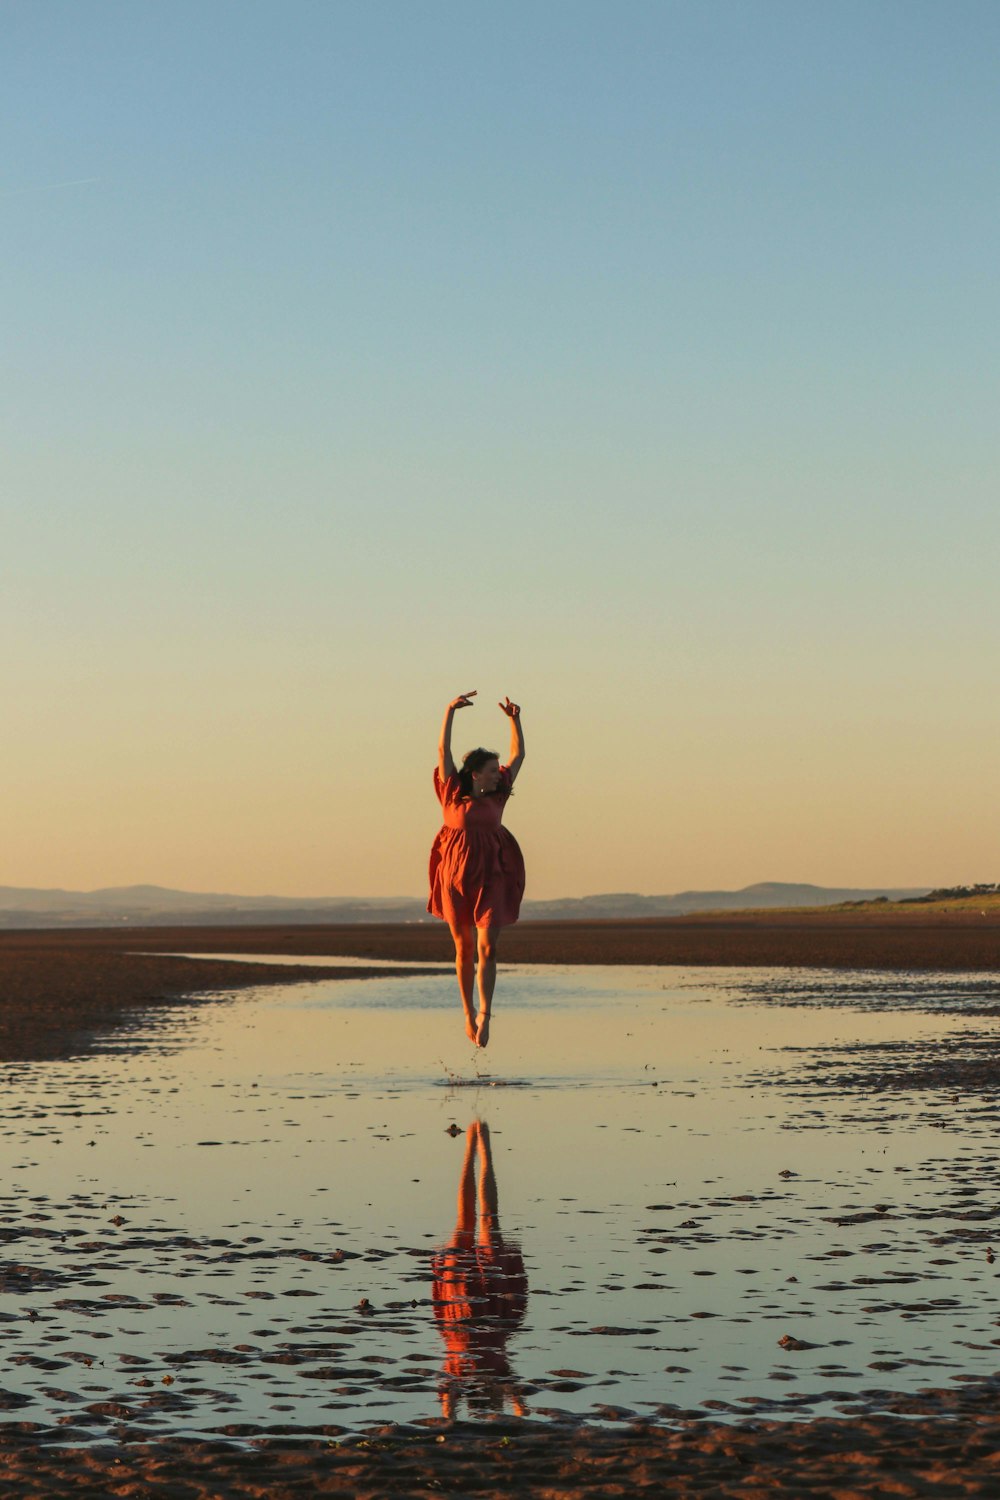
{"x":636,"y":359}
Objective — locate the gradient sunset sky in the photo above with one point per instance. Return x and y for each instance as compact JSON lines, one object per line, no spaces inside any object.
{"x":638,"y":360}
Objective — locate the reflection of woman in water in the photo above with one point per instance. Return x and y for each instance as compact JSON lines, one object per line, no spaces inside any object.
{"x":476,"y":870}
{"x":480,"y":1291}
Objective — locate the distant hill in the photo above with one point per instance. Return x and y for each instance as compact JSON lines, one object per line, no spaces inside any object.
{"x":765,"y":894}
{"x":155,"y":905}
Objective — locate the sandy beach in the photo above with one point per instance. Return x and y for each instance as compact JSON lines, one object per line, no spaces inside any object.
{"x":64,"y":993}
{"x":903,"y":937}
{"x":938,"y":1448}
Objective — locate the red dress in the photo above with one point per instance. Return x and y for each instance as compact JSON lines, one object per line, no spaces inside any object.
{"x":476,"y":869}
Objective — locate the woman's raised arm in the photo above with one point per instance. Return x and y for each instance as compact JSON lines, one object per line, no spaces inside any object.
{"x":446,"y":763}
{"x":513,"y":712}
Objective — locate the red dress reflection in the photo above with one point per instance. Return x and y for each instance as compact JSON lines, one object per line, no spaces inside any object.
{"x":480,"y":1292}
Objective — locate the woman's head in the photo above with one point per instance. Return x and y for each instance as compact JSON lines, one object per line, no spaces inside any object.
{"x":479,"y":773}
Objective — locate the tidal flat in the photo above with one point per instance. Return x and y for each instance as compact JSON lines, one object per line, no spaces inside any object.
{"x":695,"y":1165}
{"x":740,"y":1201}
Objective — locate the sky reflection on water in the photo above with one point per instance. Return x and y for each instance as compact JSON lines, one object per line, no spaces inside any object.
{"x":195,"y":1222}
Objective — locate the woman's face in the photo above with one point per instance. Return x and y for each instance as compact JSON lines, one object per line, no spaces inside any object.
{"x":487,"y":778}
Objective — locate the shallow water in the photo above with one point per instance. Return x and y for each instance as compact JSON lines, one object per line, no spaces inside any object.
{"x":689,"y":1167}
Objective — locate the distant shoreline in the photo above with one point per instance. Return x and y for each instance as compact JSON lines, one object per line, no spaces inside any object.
{"x":946,"y":935}
{"x":956,"y":936}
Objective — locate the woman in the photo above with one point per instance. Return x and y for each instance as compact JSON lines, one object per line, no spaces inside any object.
{"x":476,"y":870}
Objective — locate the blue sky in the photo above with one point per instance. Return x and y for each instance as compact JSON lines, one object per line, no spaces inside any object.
{"x":637,"y":360}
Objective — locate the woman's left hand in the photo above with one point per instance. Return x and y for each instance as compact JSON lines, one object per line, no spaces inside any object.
{"x":512,"y":710}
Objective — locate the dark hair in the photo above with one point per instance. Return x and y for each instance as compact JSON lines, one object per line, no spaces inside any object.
{"x":474,"y":761}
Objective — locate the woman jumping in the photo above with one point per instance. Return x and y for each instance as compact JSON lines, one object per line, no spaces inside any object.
{"x":476,"y":869}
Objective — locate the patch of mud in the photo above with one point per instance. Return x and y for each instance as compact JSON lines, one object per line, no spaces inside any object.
{"x":874,"y":991}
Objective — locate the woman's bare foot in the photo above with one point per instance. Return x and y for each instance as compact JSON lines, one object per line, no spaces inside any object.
{"x":470,"y":1027}
{"x":483,"y":1029}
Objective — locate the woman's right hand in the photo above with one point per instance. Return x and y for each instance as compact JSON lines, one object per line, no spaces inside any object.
{"x":464,"y":700}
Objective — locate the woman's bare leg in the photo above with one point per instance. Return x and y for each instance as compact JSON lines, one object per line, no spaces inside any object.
{"x":487,"y":975}
{"x":465,"y":968}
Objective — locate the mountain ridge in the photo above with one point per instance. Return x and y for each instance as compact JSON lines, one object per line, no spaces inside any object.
{"x":153,"y":905}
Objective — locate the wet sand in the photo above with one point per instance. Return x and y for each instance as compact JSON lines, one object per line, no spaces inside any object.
{"x":60,"y":991}
{"x":941,"y":1446}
